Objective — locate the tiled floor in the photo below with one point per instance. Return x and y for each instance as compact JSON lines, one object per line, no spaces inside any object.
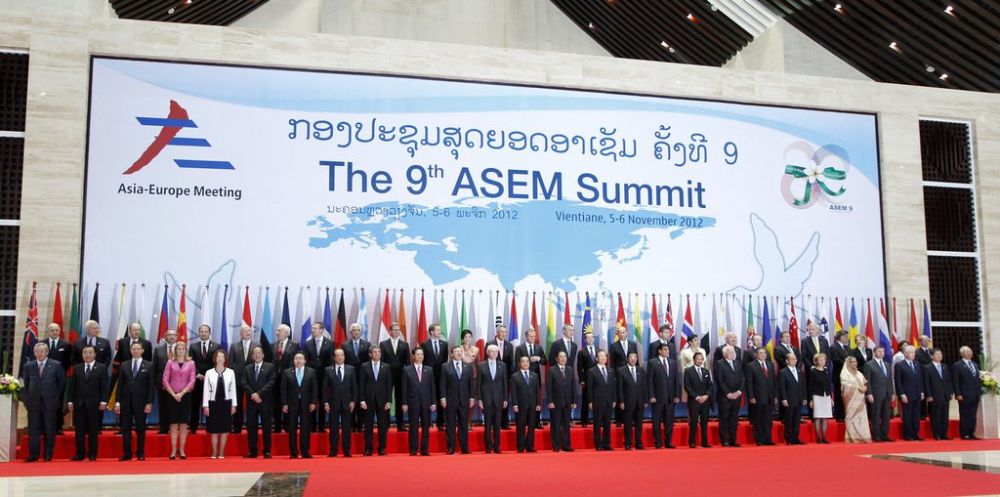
{"x":986,"y":461}
{"x":160,"y":485}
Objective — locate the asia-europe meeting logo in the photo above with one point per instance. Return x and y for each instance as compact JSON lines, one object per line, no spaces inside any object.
{"x":815,"y":176}
{"x":177,"y":119}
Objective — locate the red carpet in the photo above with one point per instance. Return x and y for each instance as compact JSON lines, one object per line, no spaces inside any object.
{"x":745,"y":471}
{"x":199,"y":445}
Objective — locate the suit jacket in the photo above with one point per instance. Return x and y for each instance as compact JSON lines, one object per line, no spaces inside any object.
{"x":759,"y":385}
{"x":862,"y":358}
{"x":717,"y":355}
{"x":809,"y":350}
{"x":506,"y":355}
{"x":729,"y":379}
{"x":750,"y":355}
{"x":418,"y":392}
{"x":355,"y":360}
{"x":880,"y":385}
{"x":791,"y":389}
{"x":236,"y":361}
{"x":202,"y":361}
{"x":435,"y":361}
{"x":102,"y":346}
{"x":323,"y":359}
{"x":599,"y":390}
{"x":584,"y":362}
{"x":63,"y":352}
{"x":696,"y":385}
{"x":492,"y":391}
{"x":560,"y":346}
{"x":633,"y":393}
{"x":923,"y":356}
{"x":617,"y":356}
{"x":375,"y":392}
{"x":291,"y":391}
{"x":88,"y":390}
{"x":965,"y":383}
{"x":456,"y":390}
{"x":287,"y":356}
{"x":909,"y":381}
{"x":339,"y":393}
{"x":561,"y":386}
{"x":160,"y":359}
{"x":124,"y":350}
{"x":41,"y":390}
{"x":536,"y":351}
{"x":525,"y":395}
{"x":263,"y":384}
{"x":136,"y":390}
{"x":663,"y":384}
{"x":398,"y":359}
{"x":655,"y":344}
{"x":781,"y":353}
{"x":937,"y":386}
{"x":838,"y":355}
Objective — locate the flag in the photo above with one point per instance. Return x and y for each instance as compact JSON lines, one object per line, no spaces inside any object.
{"x":534,"y":317}
{"x":687,"y":327}
{"x":927,"y":320}
{"x":402,"y":317}
{"x":341,"y":326}
{"x":266,"y":336}
{"x":456,"y":330}
{"x":224,"y":329}
{"x":474,"y":325}
{"x":766,"y":331}
{"x":512,"y":327}
{"x":117,"y":313}
{"x":838,"y":324}
{"x":715,"y":331}
{"x":304,"y":317}
{"x":729,"y":318}
{"x":668,"y":318}
{"x":206,"y":309}
{"x":914,"y":338}
{"x":637,"y":324}
{"x":491,"y":323}
{"x":620,"y":318}
{"x":793,"y":325}
{"x":853,"y":329}
{"x":895,"y":325}
{"x":550,"y":321}
{"x":443,"y":317}
{"x":164,"y":322}
{"x":385,"y":323}
{"x":421,"y":322}
{"x":884,"y":338}
{"x":463,"y":321}
{"x":869,"y":327}
{"x":74,"y":318}
{"x":247,"y":318}
{"x":286,"y":318}
{"x":327,"y":311}
{"x":751,"y":331}
{"x":363,"y":315}
{"x":30,"y":332}
{"x":587,"y":324}
{"x":182,"y":331}
{"x":57,"y":312}
{"x":95,"y":307}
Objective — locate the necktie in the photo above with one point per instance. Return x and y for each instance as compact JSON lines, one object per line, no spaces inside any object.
{"x":435,"y":348}
{"x":246,"y":351}
{"x":816,"y":343}
{"x":531,"y":350}
{"x":420,"y":374}
{"x":256,"y":374}
{"x":972,"y":367}
{"x":204,"y":349}
{"x":319,"y":344}
{"x":52,"y":344}
{"x":525,"y":373}
{"x":591,"y":350}
{"x":298,"y":377}
{"x":698,"y":369}
{"x":375,"y":370}
{"x":881,"y":365}
{"x":91,"y":341}
{"x":356,"y":351}
{"x":604,"y":374}
{"x":764,"y":367}
{"x":562,"y":370}
{"x":795,"y":375}
{"x":281,"y":349}
{"x":732,"y":366}
{"x":458,"y":369}
{"x":340,"y":376}
{"x":87,"y":370}
{"x":41,"y":368}
{"x":135,"y":368}
{"x":939,"y":370}
{"x":633,"y":374}
{"x":493,"y":370}
{"x":911,"y":366}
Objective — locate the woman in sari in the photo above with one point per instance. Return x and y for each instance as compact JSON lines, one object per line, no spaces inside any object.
{"x":853,"y":387}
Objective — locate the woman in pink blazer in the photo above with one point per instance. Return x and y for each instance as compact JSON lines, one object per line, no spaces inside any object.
{"x":178,"y":382}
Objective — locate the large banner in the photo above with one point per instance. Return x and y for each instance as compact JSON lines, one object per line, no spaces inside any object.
{"x":213,"y":175}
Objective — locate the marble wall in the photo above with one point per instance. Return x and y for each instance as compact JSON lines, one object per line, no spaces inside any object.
{"x":61,"y":45}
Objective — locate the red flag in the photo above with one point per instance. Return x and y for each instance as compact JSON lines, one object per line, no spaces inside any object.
{"x":402,"y":317}
{"x":182,"y":328}
{"x":57,"y":311}
{"x":340,"y":327}
{"x":869,"y":329}
{"x":839,"y":323}
{"x":654,"y":319}
{"x":895,"y":326}
{"x":386,"y":316}
{"x":566,"y":317}
{"x":30,"y":331}
{"x":793,"y":326}
{"x":688,"y":325}
{"x":620,"y":318}
{"x":534,"y":318}
{"x":247,"y":315}
{"x":422,"y":321}
{"x":914,"y":332}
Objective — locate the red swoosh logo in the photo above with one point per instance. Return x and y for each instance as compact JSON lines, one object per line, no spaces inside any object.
{"x":167,"y":133}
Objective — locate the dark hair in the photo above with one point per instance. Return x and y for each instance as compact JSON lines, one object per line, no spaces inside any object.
{"x":696,"y":354}
{"x":662,"y":346}
{"x":224,"y":356}
{"x":465,"y":332}
{"x":85,"y":347}
{"x":139,"y":343}
{"x":935,"y":350}
{"x":663,"y":327}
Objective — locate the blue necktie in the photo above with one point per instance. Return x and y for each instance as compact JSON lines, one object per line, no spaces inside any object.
{"x":298,"y":376}
{"x":355,"y":348}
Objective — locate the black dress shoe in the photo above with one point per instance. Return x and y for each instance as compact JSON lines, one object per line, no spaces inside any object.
{"x":31,"y":459}
{"x":381,"y":452}
{"x":734,"y":445}
{"x":368,"y":453}
{"x":639,"y":447}
{"x":183,"y":457}
{"x":125,"y":458}
{"x":466,"y":451}
{"x":705,"y":446}
{"x":141,"y":457}
{"x":451,"y":452}
{"x":691,"y":446}
{"x":424,"y":453}
{"x":670,"y":446}
{"x":294,"y":456}
{"x":92,"y":458}
{"x":532,"y":450}
{"x":628,"y":447}
{"x":347,"y":454}
{"x":267,"y":455}
{"x":307,"y":456}
{"x":173,"y":457}
{"x":331,"y":454}
{"x":520,"y":450}
{"x":74,"y":458}
{"x":251,"y":455}
{"x":413,"y":453}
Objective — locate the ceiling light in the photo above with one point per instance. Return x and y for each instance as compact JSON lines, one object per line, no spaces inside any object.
{"x":839,"y":8}
{"x":930,"y":68}
{"x":171,"y":11}
{"x":894,"y":46}
{"x":943,"y":76}
{"x":949,"y":10}
{"x":591,"y":26}
{"x":666,"y":45}
{"x":692,"y":18}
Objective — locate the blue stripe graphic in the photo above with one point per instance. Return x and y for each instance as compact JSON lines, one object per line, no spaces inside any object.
{"x":162,"y":121}
{"x":190,"y":142}
{"x":204,"y":164}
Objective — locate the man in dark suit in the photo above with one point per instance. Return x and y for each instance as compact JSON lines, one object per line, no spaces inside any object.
{"x":258,"y":382}
{"x":792,"y":395}
{"x":419,"y":401}
{"x":938,"y":388}
{"x":455,"y":395}
{"x":561,"y":388}
{"x":356,"y":352}
{"x":862,"y":353}
{"x":585,"y":361}
{"x":968,"y":389}
{"x":925,"y":351}
{"x":732,"y":341}
{"x":339,"y":395}
{"x":319,"y":356}
{"x":136,"y":382}
{"x":783,"y":350}
{"x":492,"y":388}
{"x":812,"y":345}
{"x":910,"y":387}
{"x":375,"y":393}
{"x":633,"y":397}
{"x":43,"y":380}
{"x":663,"y":337}
{"x":750,"y":354}
{"x":698,"y":385}
{"x":201,"y":353}
{"x":239,"y":356}
{"x":533,"y":350}
{"x":880,"y":395}
{"x":730,"y":383}
{"x":664,"y":384}
{"x":601,"y":391}
{"x":839,"y":352}
{"x":506,"y":356}
{"x":123,"y":348}
{"x":618,"y":356}
{"x":161,"y":355}
{"x":525,"y":396}
{"x":299,"y":396}
{"x":59,"y":350}
{"x":283,"y":351}
{"x":93,"y":337}
{"x":760,"y":378}
{"x":396,"y":354}
{"x":567,"y":345}
{"x":436,"y":354}
{"x":88,"y":397}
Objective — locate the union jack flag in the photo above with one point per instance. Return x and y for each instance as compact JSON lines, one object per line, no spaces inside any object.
{"x":30,"y":331}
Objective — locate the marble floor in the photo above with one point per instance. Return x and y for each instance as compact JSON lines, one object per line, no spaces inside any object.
{"x":161,"y":485}
{"x":984,"y":461}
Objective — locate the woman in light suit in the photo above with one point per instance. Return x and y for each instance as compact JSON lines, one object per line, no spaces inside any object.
{"x":219,"y":402}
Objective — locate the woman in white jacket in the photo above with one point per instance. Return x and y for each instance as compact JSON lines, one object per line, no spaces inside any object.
{"x":219,"y":402}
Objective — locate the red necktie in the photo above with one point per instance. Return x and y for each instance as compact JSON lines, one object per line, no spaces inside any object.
{"x":764,"y":367}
